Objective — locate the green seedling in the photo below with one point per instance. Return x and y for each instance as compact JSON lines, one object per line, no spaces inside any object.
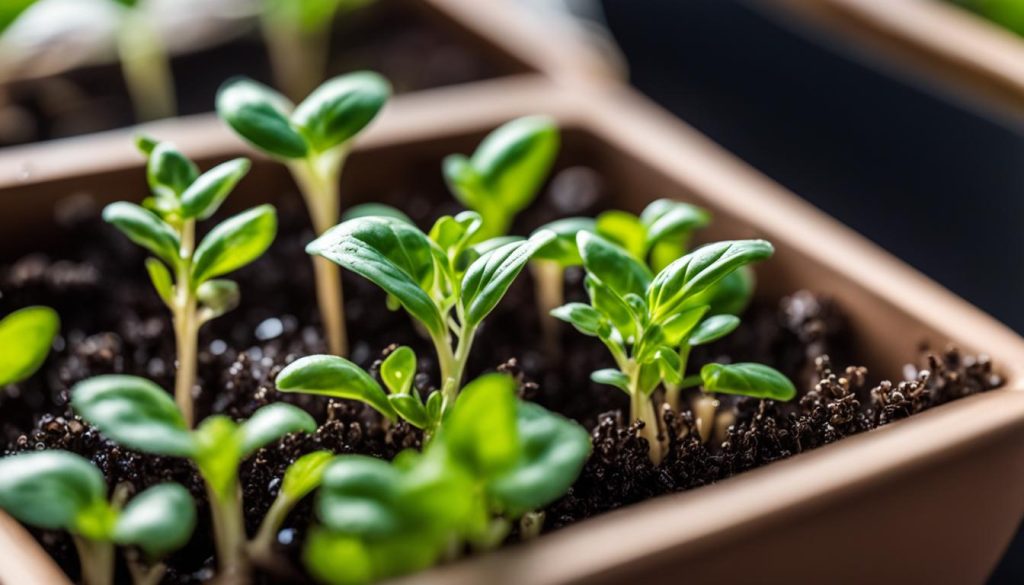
{"x":495,"y":459}
{"x":505,"y":173}
{"x":183,"y":274}
{"x":446,"y":284}
{"x":548,"y":269}
{"x":58,"y":490}
{"x":644,"y":320}
{"x":313,"y":141}
{"x":138,"y":414}
{"x":337,"y":377}
{"x":298,"y":34}
{"x":300,"y":479}
{"x":26,"y":336}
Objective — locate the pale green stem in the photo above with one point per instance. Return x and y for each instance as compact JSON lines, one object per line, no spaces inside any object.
{"x":146,"y":575}
{"x":146,"y":68}
{"x":186,"y":325}
{"x":531,"y":524}
{"x":96,"y":559}
{"x":262,"y":545}
{"x":642,"y":409}
{"x":453,"y":381}
{"x":318,"y":181}
{"x":297,"y":57}
{"x":229,"y":534}
{"x":672,"y":390}
{"x":548,"y":277}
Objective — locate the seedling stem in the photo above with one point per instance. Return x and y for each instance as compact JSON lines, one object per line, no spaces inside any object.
{"x":186,"y":325}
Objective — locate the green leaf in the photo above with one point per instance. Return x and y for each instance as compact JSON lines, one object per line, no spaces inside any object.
{"x":732,"y":294}
{"x":218,"y":453}
{"x":375,"y":209}
{"x":584,"y":318}
{"x":435,"y":402}
{"x":26,"y":336}
{"x":134,"y":412}
{"x":410,"y":407}
{"x":235,"y":242}
{"x":204,"y":196}
{"x":308,"y":16}
{"x":489,"y":277}
{"x":10,"y":10}
{"x":678,"y":326}
{"x":146,"y":144}
{"x":218,"y":296}
{"x":747,"y":379}
{"x":714,"y":328}
{"x":670,"y":367}
{"x":50,"y":489}
{"x":563,"y":248}
{"x":360,"y":496}
{"x":480,"y":433}
{"x":159,"y":520}
{"x":453,"y":234}
{"x":611,"y":305}
{"x":305,"y":475}
{"x":666,"y":219}
{"x":613,"y":265}
{"x":398,"y":370}
{"x":161,"y":279}
{"x":260,"y":116}
{"x":340,"y":108}
{"x":169,"y":172}
{"x":334,"y":376}
{"x":699,"y":270}
{"x":553,"y":451}
{"x":624,"y":230}
{"x":272,"y":422}
{"x":611,"y":377}
{"x":144,"y":228}
{"x":392,"y":254}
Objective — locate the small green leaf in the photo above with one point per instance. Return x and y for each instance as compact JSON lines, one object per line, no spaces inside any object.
{"x":218,"y":453}
{"x":360,"y":496}
{"x":665,"y":219}
{"x":480,"y":433}
{"x":489,"y":277}
{"x":204,"y":196}
{"x":563,"y":248}
{"x":169,"y":172}
{"x":553,"y":451}
{"x":305,"y":475}
{"x":50,"y":489}
{"x":611,"y":305}
{"x":10,"y":10}
{"x":26,"y":336}
{"x":375,"y":209}
{"x":218,"y":296}
{"x":334,"y":376}
{"x":670,"y":367}
{"x":613,"y":265}
{"x":678,"y":326}
{"x":747,"y":379}
{"x":134,"y":412}
{"x":435,"y":402}
{"x":699,"y":270}
{"x":272,"y":422}
{"x":398,"y":370}
{"x":392,"y":254}
{"x":611,"y":377}
{"x":624,"y":230}
{"x":714,"y":328}
{"x":144,"y":228}
{"x":340,"y":108}
{"x":260,"y":116}
{"x":235,"y":242}
{"x":146,"y":144}
{"x":410,"y":407}
{"x":584,"y":318}
{"x":732,"y":294}
{"x":159,"y":520}
{"x":161,"y":279}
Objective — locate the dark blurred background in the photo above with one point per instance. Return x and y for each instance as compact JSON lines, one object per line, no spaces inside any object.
{"x":926,"y":171}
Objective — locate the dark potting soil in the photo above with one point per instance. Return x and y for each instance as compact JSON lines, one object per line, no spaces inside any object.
{"x":112,"y":322}
{"x":388,"y":37}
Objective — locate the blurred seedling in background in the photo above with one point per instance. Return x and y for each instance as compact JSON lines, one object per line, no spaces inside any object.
{"x":58,"y":490}
{"x":26,"y":336}
{"x":183,"y":274}
{"x":313,"y":141}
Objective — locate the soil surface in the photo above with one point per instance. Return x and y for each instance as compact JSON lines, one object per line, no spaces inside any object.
{"x":406,"y":46}
{"x":114,"y":323}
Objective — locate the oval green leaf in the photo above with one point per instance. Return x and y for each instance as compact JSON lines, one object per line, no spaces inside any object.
{"x":714,"y":328}
{"x":159,"y":520}
{"x":50,"y":489}
{"x":360,"y":497}
{"x":305,"y":475}
{"x":398,"y":370}
{"x":747,"y":379}
{"x":340,"y":108}
{"x":410,"y":408}
{"x":613,"y":265}
{"x":204,"y":196}
{"x":334,"y":376}
{"x":260,"y":116}
{"x":488,"y":278}
{"x":480,"y":433}
{"x":235,"y":242}
{"x":563,"y":248}
{"x":169,"y":172}
{"x":272,"y":422}
{"x":144,"y":228}
{"x":611,"y":377}
{"x":26,"y":336}
{"x":514,"y":160}
{"x":586,"y":319}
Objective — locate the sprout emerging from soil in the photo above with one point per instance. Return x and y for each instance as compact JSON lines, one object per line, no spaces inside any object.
{"x":495,"y":459}
{"x":443,"y":281}
{"x":26,"y":336}
{"x":298,"y":34}
{"x":139,"y":415}
{"x":649,"y":322}
{"x":183,"y":274}
{"x":58,"y":490}
{"x":313,"y":141}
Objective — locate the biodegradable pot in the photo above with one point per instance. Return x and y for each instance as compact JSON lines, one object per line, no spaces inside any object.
{"x":931,"y":499}
{"x":480,"y":41}
{"x":933,"y":38}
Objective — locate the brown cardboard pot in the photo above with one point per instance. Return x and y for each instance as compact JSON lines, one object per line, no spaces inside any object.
{"x":931,"y":499}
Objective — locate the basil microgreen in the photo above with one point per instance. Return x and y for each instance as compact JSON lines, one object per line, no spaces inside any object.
{"x":138,"y":414}
{"x":313,"y":140}
{"x":59,"y":490}
{"x":183,"y":274}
